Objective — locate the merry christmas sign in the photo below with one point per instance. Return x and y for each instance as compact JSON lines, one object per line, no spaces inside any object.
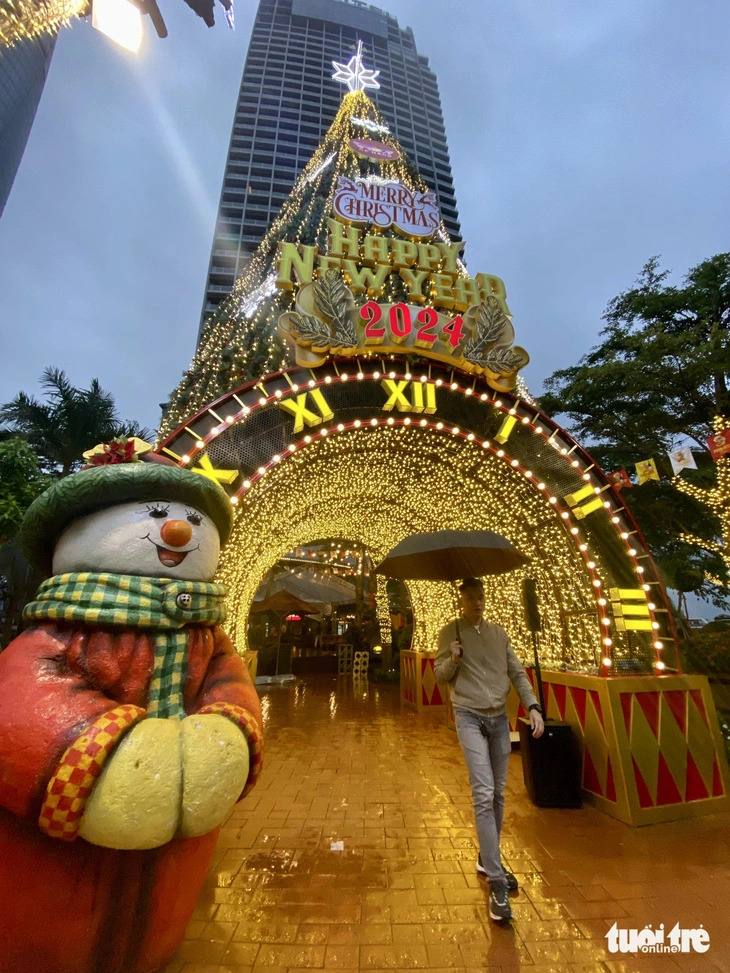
{"x":386,"y":204}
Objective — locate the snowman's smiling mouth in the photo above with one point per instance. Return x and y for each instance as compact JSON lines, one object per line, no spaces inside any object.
{"x":171,"y":559}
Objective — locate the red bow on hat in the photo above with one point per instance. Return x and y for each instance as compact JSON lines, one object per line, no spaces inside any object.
{"x":121,"y":450}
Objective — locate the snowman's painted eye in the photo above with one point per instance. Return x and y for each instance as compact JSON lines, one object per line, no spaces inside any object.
{"x":194,"y":517}
{"x":158,"y":510}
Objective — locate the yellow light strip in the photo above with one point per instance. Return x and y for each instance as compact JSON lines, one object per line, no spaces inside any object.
{"x":621,"y":609}
{"x":505,"y":429}
{"x":633,"y":625}
{"x":587,"y":508}
{"x":627,"y":594}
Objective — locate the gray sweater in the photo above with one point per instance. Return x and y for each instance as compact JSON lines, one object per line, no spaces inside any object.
{"x":480,"y":680}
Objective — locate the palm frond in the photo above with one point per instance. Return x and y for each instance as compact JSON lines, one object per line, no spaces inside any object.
{"x":57,"y":385}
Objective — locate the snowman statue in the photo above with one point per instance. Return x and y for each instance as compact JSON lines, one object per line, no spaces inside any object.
{"x":129,"y":725}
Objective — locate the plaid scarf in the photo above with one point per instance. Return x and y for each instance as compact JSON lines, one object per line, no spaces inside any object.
{"x":161,"y":604}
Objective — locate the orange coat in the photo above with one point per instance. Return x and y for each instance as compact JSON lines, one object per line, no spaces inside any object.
{"x":73,"y":907}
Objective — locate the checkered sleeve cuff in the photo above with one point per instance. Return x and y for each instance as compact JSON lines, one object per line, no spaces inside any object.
{"x":73,"y":781}
{"x":251,"y":730}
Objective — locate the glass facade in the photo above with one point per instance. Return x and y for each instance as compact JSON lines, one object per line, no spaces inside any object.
{"x":23,"y":70}
{"x":287,"y":102}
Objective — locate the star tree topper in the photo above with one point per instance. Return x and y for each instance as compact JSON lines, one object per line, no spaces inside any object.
{"x":353,"y":74}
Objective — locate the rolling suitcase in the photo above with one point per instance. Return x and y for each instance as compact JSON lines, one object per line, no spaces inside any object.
{"x":551,"y":765}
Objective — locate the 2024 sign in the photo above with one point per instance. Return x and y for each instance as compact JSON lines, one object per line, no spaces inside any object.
{"x":396,"y":323}
{"x":327,"y":321}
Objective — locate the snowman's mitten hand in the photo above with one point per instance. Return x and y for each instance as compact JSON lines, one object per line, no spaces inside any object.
{"x":251,"y":729}
{"x":73,"y":781}
{"x":136,"y":801}
{"x":215,"y":761}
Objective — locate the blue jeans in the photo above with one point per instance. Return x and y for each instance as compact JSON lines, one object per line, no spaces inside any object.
{"x":486,"y":755}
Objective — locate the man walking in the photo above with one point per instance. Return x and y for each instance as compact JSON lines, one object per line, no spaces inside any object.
{"x":476,"y":660}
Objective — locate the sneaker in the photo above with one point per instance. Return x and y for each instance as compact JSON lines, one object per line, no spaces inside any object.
{"x":499,"y":907}
{"x":512,"y":883}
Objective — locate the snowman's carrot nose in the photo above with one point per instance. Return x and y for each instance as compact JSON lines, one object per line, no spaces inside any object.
{"x":176,"y":533}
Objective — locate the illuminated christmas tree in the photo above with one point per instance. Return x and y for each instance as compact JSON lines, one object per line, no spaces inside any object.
{"x":24,"y":19}
{"x":241,"y":341}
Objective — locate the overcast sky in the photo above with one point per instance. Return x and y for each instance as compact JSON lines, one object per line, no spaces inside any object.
{"x":584,"y":136}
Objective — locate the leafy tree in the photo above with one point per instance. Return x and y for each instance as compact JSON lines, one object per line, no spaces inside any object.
{"x":21,"y":481}
{"x":69,"y":421}
{"x":658,"y":380}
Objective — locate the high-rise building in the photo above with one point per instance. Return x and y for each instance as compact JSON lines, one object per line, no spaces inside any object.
{"x":287,"y":102}
{"x":23,"y":70}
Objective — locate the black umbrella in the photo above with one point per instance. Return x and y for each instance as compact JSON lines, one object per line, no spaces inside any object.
{"x":447,"y":555}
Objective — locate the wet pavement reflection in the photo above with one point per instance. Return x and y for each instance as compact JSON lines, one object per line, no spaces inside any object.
{"x":356,"y":851}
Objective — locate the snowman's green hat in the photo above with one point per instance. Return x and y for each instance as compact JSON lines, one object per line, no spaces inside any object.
{"x":145,"y":476}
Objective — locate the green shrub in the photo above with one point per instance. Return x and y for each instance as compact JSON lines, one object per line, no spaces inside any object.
{"x":707,"y":652}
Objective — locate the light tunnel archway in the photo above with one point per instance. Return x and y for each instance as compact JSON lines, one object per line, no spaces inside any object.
{"x":379,"y":484}
{"x":422,"y":447}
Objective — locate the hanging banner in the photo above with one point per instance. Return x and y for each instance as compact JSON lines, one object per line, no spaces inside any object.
{"x":620,"y":478}
{"x":719,"y":444}
{"x":646,"y":470}
{"x":682,"y":459}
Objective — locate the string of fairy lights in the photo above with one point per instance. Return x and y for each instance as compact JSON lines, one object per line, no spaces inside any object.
{"x":328,"y":484}
{"x":382,"y":606}
{"x":716,"y":498}
{"x":331,"y":555}
{"x":572,"y":614}
{"x":27,"y":19}
{"x":242,"y":340}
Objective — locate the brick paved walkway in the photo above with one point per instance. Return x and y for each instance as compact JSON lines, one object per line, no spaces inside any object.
{"x":349,"y":765}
